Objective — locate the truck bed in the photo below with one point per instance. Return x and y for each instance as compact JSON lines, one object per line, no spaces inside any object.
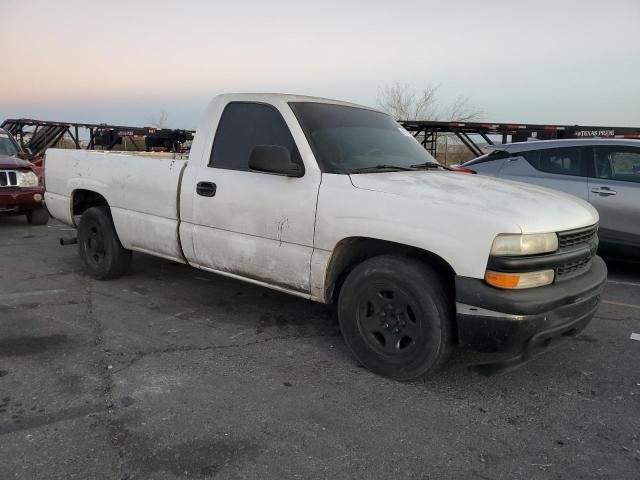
{"x":142,"y":191}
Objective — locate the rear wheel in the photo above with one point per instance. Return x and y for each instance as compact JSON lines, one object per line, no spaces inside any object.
{"x":38,"y":216}
{"x":103,"y":255}
{"x":395,"y":317}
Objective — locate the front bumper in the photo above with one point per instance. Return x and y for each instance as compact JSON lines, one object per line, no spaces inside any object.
{"x":20,"y":199}
{"x":521,"y":323}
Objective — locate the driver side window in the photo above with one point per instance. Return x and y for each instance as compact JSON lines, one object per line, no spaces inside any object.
{"x":244,"y":126}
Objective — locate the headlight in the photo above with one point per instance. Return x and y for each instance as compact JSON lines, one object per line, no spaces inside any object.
{"x":519,"y":280}
{"x":528,"y":244}
{"x":27,"y":179}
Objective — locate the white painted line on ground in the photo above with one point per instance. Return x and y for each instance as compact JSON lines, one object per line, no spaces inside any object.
{"x":620,"y":304}
{"x":635,"y":336}
{"x":620,"y":282}
{"x":34,"y":293}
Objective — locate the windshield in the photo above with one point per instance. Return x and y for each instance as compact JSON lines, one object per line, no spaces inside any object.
{"x":348,"y":139}
{"x":7,"y":147}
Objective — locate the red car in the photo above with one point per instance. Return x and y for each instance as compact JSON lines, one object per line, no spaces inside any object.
{"x":21,"y":186}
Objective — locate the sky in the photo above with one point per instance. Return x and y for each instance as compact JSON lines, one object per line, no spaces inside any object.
{"x":555,"y":62}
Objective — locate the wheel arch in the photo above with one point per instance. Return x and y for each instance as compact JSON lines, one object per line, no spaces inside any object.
{"x":82,"y":199}
{"x":351,"y":251}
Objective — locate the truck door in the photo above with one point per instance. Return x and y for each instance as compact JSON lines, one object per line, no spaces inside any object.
{"x":614,"y":189}
{"x":252,"y":224}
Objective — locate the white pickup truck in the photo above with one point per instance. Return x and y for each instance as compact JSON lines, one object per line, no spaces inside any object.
{"x":336,"y":202}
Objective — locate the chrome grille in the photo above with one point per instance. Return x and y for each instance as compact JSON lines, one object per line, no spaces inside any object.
{"x":572,"y":268}
{"x":8,"y":178}
{"x":571,"y":238}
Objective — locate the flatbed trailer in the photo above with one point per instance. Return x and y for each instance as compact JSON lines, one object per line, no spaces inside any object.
{"x":427,"y":132}
{"x":38,"y":135}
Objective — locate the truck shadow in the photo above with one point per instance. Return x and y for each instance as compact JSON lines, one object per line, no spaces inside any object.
{"x":224,"y":304}
{"x":221,"y":302}
{"x":231,"y":307}
{"x":240,"y":306}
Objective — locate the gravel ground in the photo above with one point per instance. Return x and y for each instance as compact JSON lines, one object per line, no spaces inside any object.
{"x":174,"y":373}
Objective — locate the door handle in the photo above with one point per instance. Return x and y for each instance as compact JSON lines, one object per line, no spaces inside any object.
{"x":605,"y":191}
{"x":206,"y":189}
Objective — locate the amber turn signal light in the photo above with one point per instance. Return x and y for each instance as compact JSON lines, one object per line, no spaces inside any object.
{"x":519,"y":280}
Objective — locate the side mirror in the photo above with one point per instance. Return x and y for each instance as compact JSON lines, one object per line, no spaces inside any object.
{"x":274,"y":159}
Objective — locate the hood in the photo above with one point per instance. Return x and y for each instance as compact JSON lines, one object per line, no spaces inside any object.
{"x":14,"y":163}
{"x":534,"y":209}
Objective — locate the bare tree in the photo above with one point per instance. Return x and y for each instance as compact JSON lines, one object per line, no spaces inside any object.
{"x":399,"y":101}
{"x":160,"y":120}
{"x":403,"y":103}
{"x":461,"y":110}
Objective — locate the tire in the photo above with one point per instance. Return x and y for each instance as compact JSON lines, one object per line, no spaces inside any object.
{"x":396,"y":317}
{"x":38,"y":216}
{"x":102,"y":254}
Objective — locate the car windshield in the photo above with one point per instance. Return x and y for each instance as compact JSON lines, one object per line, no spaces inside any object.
{"x":7,"y":147}
{"x":348,"y":139}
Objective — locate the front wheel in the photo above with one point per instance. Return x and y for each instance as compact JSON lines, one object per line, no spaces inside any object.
{"x":395,"y":317}
{"x":99,"y":247}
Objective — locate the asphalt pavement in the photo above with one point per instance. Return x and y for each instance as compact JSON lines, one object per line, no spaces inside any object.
{"x":173,"y":373}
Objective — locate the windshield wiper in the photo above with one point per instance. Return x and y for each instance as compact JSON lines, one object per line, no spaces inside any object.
{"x":380,"y":167}
{"x":430,"y":165}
